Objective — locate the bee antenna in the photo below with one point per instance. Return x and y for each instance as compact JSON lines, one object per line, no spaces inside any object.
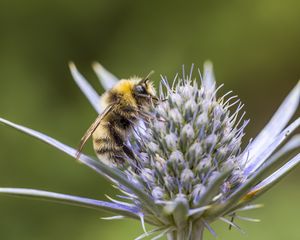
{"x":147,"y":78}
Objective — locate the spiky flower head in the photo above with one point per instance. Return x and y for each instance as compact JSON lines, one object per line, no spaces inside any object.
{"x":192,"y":170}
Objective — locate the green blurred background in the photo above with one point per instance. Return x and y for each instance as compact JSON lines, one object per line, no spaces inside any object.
{"x":254,"y":46}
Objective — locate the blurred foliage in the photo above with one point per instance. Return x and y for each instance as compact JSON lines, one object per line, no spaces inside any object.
{"x":254,"y":46}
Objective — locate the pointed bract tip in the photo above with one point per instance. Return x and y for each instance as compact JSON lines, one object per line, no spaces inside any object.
{"x":96,"y":66}
{"x":72,"y":65}
{"x":208,"y":64}
{"x":298,"y":85}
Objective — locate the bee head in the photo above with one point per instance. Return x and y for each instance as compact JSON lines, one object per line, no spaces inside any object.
{"x":144,"y":90}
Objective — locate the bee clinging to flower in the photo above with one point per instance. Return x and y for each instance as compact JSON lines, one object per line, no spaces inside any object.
{"x":125,"y":104}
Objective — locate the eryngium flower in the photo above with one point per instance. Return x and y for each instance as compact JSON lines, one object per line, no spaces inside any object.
{"x":192,"y":170}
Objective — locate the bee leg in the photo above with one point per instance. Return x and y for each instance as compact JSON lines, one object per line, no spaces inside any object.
{"x":131,"y":155}
{"x":119,"y":160}
{"x":231,"y":220}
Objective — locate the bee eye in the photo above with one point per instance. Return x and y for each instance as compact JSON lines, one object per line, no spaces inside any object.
{"x":140,"y":89}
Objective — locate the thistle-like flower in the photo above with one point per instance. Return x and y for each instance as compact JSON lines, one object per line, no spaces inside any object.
{"x":192,"y":169}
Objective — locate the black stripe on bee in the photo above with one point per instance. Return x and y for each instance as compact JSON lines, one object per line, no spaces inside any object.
{"x":113,"y":97}
{"x":101,"y":140}
{"x":109,"y":150}
{"x":120,"y":120}
{"x":118,"y":139}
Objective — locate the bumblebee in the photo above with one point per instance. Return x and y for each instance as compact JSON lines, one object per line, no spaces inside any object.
{"x":125,"y":105}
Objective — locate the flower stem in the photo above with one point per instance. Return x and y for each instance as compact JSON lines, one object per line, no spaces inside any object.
{"x":196,"y":233}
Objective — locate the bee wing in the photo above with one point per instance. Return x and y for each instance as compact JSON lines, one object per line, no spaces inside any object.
{"x":92,"y":129}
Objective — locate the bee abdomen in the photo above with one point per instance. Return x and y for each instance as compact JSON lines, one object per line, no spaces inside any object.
{"x":113,"y":154}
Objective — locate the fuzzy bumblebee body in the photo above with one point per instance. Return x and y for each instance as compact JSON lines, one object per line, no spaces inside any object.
{"x":125,"y":105}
